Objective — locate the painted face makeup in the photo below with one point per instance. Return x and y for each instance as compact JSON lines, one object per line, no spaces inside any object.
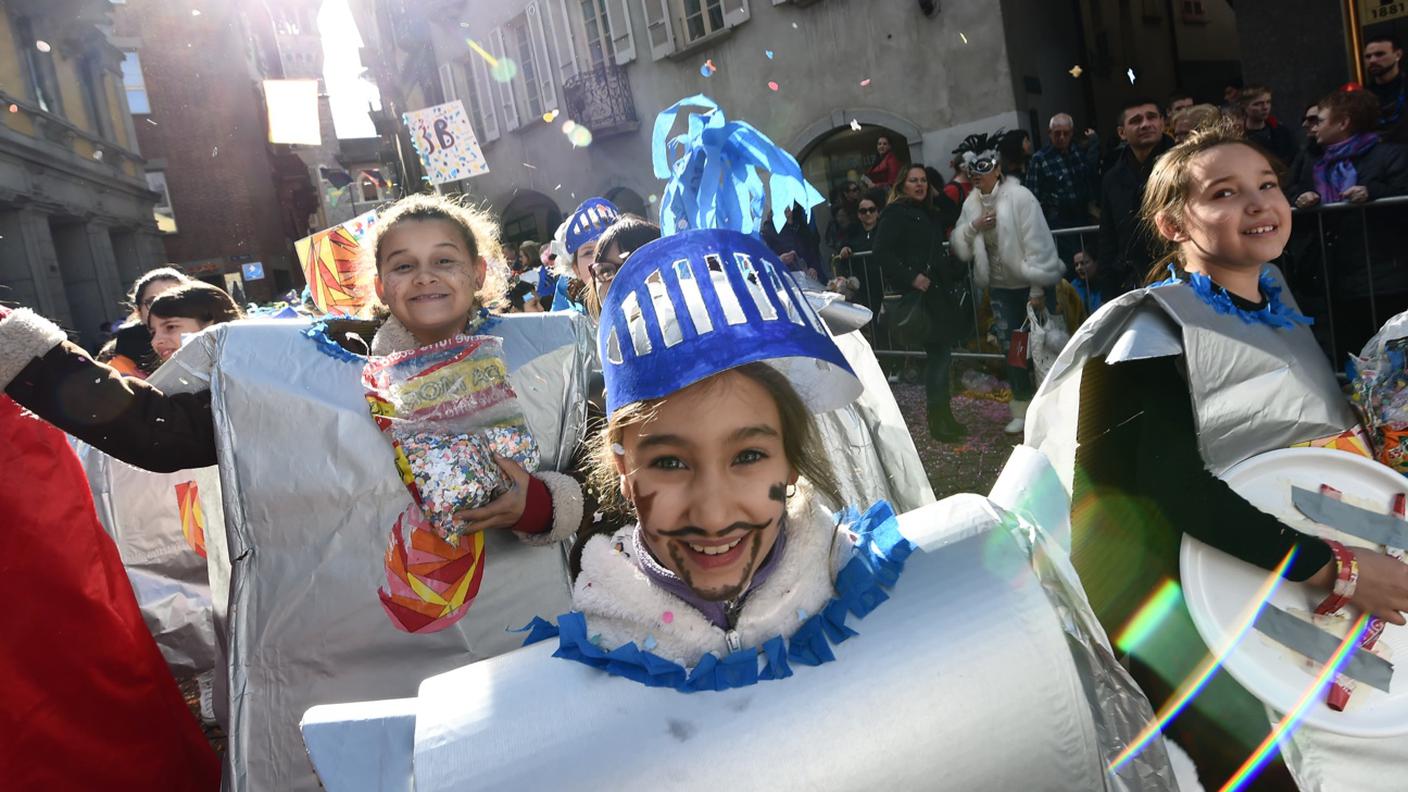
{"x":707,"y":475}
{"x":428,"y":278}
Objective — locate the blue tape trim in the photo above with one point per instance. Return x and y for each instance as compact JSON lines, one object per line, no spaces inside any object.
{"x":318,"y":332}
{"x":1275,"y":314}
{"x":880,"y":553}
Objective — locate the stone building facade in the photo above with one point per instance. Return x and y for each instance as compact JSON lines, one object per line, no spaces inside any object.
{"x":76,"y":213}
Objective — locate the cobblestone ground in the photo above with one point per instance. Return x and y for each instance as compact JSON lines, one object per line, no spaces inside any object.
{"x":972,"y":464}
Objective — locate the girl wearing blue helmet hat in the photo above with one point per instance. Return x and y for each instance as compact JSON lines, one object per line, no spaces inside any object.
{"x":715,"y":365}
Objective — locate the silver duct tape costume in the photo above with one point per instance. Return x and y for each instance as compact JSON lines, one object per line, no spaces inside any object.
{"x":311,"y":493}
{"x":140,"y":511}
{"x":1254,"y":389}
{"x":1251,"y":392}
{"x":984,"y":670}
{"x":872,"y":452}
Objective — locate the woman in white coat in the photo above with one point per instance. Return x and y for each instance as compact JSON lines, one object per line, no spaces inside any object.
{"x":1003,"y":232}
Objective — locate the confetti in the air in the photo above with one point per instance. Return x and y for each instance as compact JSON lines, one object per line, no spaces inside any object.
{"x":855,"y":125}
{"x":14,"y":108}
{"x":98,"y":155}
{"x":768,"y":53}
{"x":558,"y":187}
{"x":504,"y":71}
{"x":550,"y":116}
{"x":708,"y":69}
{"x":1077,"y":71}
{"x":530,"y":166}
{"x":153,"y":123}
{"x":965,"y":38}
{"x":481,"y":52}
{"x":773,"y":85}
{"x":580,"y":137}
{"x":865,"y":83}
{"x":42,"y":46}
{"x":794,"y":25}
{"x":1130,"y":73}
{"x":214,"y":152}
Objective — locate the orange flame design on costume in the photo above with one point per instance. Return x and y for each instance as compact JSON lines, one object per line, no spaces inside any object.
{"x":192,"y":516}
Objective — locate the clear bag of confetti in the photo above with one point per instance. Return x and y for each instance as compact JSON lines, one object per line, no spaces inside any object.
{"x":448,"y":409}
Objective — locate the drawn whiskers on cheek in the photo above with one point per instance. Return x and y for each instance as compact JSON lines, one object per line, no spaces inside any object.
{"x":778,"y":492}
{"x":690,"y":530}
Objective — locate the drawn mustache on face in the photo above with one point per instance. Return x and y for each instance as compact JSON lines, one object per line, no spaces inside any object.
{"x":690,"y":530}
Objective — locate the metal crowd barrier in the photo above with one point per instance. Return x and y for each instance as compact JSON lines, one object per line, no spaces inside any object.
{"x":1323,"y":245}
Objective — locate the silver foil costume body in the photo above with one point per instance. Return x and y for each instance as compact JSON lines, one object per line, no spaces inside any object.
{"x":311,"y":493}
{"x":985,"y":669}
{"x":1254,"y":388}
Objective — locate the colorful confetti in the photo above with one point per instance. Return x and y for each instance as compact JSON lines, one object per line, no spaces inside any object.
{"x":667,"y":617}
{"x":708,"y":69}
{"x":14,"y":108}
{"x":481,"y":52}
{"x":772,"y":86}
{"x":504,"y":71}
{"x":865,"y":83}
{"x":1077,"y":71}
{"x":768,"y":53}
{"x":42,"y":46}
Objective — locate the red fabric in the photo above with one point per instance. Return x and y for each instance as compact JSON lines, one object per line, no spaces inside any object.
{"x":88,"y":701}
{"x":537,"y":509}
{"x":884,"y":172}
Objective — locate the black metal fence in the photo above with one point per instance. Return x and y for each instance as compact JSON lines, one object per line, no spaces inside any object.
{"x":1346,"y":264}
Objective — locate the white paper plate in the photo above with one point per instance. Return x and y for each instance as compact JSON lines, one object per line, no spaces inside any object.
{"x":1219,"y":589}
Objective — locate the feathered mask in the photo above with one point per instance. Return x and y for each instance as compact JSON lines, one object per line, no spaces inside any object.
{"x":714,"y":179}
{"x":978,"y":153}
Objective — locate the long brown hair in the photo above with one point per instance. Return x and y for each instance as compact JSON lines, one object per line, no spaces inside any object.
{"x":1171,"y":182}
{"x":196,"y":300}
{"x":897,"y":189}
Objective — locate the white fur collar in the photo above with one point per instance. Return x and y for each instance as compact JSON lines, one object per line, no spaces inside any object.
{"x":623,"y":606}
{"x":392,"y":337}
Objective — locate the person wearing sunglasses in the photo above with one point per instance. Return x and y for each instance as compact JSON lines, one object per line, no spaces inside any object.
{"x":855,"y":252}
{"x":1303,"y":166}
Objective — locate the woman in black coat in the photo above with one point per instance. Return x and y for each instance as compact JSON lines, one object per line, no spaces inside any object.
{"x":909,"y":247}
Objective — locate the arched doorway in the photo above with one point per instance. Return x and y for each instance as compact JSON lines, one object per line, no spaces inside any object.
{"x":529,"y":216}
{"x":627,"y":200}
{"x":845,"y":154}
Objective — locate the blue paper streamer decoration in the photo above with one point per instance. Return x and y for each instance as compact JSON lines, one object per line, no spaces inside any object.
{"x":713,"y":176}
{"x":1275,"y":314}
{"x":879,"y":555}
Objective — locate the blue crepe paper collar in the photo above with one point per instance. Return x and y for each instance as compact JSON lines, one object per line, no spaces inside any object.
{"x":714,"y":181}
{"x":880,"y":553}
{"x":1275,"y":314}
{"x":482,"y":324}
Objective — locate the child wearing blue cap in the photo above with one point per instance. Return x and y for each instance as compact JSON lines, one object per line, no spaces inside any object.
{"x":714,"y":366}
{"x":580,"y":233}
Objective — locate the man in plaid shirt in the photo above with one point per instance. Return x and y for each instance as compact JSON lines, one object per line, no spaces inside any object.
{"x":1064,"y":178}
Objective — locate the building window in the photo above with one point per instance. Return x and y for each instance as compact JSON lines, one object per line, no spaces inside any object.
{"x":39,"y":65}
{"x":598,"y":36}
{"x":474,"y":104}
{"x":368,"y":187}
{"x":527,"y":88}
{"x":702,"y":17}
{"x":92,"y":77}
{"x":165,"y":217}
{"x":136,"y":85}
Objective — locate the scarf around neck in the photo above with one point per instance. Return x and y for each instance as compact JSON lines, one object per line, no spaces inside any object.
{"x":1335,"y":171}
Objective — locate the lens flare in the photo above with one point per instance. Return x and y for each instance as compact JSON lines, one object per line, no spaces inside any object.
{"x":1195,"y":683}
{"x":481,"y":52}
{"x":1292,"y":719}
{"x":1149,"y":616}
{"x":504,"y":71}
{"x":580,"y":137}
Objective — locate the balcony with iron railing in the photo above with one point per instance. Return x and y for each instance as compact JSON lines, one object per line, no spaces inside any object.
{"x":600,"y":99}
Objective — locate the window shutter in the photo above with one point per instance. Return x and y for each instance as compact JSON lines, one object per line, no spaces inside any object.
{"x":735,"y":12}
{"x":657,"y":24}
{"x":447,"y":83}
{"x":506,"y":99}
{"x":546,"y":84}
{"x":484,"y":87}
{"x":560,"y":31}
{"x":623,"y":41}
